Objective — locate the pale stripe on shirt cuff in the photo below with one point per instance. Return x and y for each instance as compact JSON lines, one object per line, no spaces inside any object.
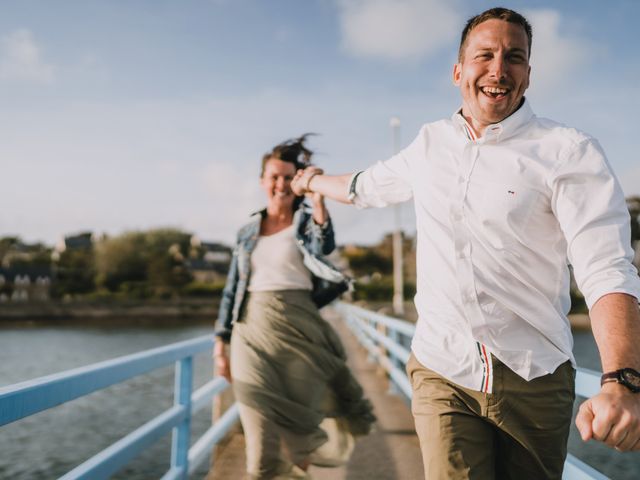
{"x":351,"y":192}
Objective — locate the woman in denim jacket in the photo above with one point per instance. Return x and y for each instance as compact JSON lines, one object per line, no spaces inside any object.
{"x":286,"y":363}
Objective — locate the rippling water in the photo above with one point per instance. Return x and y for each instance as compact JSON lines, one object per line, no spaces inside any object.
{"x":51,"y":443}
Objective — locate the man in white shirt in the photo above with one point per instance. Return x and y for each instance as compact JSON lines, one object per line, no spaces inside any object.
{"x":504,"y":201}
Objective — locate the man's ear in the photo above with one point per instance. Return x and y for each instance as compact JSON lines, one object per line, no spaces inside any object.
{"x":457,"y":74}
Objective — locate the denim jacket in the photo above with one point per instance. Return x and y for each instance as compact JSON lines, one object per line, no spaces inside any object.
{"x":314,"y":241}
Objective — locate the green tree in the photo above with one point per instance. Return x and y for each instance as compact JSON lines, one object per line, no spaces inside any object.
{"x":633,"y":203}
{"x":365,"y":260}
{"x":75,"y":273}
{"x":144,"y":263}
{"x":6,"y":244}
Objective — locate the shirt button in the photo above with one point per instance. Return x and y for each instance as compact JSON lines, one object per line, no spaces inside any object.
{"x":461,"y":180}
{"x":457,"y":217}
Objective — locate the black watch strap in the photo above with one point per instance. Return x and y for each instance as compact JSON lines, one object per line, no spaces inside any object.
{"x":627,"y":377}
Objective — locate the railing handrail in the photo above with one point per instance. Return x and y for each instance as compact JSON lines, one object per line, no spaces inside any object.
{"x":23,"y":399}
{"x":362,"y":322}
{"x":401,"y":326}
{"x":27,"y":398}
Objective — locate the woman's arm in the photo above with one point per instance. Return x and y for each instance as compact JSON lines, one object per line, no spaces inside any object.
{"x":223,"y":330}
{"x":223,"y":325}
{"x":318,"y":228}
{"x":320,"y":212}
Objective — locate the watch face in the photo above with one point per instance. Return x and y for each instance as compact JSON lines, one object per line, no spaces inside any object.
{"x":631,"y":377}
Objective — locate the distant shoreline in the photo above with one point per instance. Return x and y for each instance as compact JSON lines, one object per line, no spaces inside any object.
{"x":111,"y":313}
{"x":157,"y":313}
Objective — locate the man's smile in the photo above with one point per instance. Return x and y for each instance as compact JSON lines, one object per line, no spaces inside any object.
{"x":495,"y":92}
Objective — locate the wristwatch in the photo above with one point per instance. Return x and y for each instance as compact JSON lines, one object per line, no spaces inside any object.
{"x":628,"y":377}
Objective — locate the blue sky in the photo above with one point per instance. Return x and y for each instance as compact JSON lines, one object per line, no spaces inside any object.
{"x":123,"y":115}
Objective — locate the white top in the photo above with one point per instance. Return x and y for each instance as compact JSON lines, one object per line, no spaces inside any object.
{"x":498,"y":220}
{"x":276,"y":264}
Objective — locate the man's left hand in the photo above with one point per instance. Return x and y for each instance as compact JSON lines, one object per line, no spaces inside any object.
{"x":612,"y":417}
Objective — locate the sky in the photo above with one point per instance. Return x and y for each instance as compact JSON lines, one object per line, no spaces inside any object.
{"x":129,"y":115}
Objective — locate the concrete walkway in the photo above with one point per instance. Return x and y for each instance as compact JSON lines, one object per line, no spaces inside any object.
{"x":390,"y":452}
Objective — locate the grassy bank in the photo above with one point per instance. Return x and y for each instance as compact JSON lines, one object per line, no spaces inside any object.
{"x":112,"y":312}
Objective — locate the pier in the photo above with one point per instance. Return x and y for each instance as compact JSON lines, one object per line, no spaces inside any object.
{"x":377,"y":346}
{"x":391,"y":451}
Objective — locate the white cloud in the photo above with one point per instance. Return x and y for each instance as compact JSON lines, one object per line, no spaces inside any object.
{"x":555,"y":56}
{"x":193,"y":164}
{"x":233,"y":193}
{"x":398,"y":29}
{"x":21,"y":59}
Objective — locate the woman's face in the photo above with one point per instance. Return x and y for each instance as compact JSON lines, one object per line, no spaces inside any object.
{"x":276,"y":182}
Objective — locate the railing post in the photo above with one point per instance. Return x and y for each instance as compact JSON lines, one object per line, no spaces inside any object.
{"x":371,"y":358}
{"x":395,"y":336}
{"x":382,"y":351}
{"x":182,"y":433}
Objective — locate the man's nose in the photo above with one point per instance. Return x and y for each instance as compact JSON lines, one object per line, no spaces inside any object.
{"x":497,"y":69}
{"x":281,"y":182}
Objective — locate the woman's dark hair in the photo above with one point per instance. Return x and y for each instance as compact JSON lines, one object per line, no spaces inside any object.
{"x":292,"y":151}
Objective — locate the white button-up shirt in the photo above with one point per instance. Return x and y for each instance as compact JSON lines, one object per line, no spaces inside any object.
{"x":499,"y":219}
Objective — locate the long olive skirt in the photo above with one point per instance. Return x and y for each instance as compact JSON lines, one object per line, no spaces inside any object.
{"x":288,"y":363}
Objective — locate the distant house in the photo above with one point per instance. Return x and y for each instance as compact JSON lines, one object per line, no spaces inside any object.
{"x":21,"y":283}
{"x":75,"y":242}
{"x":208,"y":262}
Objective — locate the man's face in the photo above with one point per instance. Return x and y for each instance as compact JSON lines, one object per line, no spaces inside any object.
{"x":493,"y":73}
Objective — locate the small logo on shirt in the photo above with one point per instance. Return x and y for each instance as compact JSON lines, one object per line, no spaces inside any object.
{"x":511,"y":192}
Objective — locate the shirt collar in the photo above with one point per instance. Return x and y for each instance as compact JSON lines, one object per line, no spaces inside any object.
{"x":500,"y":130}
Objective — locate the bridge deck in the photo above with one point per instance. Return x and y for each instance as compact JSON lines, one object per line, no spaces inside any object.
{"x":390,"y":452}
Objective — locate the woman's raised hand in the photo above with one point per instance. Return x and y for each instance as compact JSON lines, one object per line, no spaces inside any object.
{"x":300,"y":183}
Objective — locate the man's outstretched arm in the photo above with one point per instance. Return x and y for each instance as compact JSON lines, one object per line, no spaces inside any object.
{"x":311,"y":180}
{"x":613,"y":415}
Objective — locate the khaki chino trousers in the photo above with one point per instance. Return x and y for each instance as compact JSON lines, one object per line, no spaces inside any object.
{"x":519,"y":431}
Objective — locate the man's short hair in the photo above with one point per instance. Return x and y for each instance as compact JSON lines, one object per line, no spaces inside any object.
{"x":500,"y":14}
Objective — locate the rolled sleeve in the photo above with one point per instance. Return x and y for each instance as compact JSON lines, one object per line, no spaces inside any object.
{"x":590,"y":206}
{"x":225,"y":311}
{"x":387,"y":182}
{"x":322,"y":237}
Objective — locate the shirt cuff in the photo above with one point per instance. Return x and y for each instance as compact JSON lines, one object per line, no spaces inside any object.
{"x":351,"y":192}
{"x":223,"y":334}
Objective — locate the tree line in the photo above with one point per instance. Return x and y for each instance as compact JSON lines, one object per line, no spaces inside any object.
{"x":139,"y":264}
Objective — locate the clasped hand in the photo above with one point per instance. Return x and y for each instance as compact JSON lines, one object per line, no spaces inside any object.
{"x":300,"y":183}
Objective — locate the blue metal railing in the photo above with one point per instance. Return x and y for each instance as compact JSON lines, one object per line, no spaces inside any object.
{"x":27,"y":398}
{"x":388,"y":341}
